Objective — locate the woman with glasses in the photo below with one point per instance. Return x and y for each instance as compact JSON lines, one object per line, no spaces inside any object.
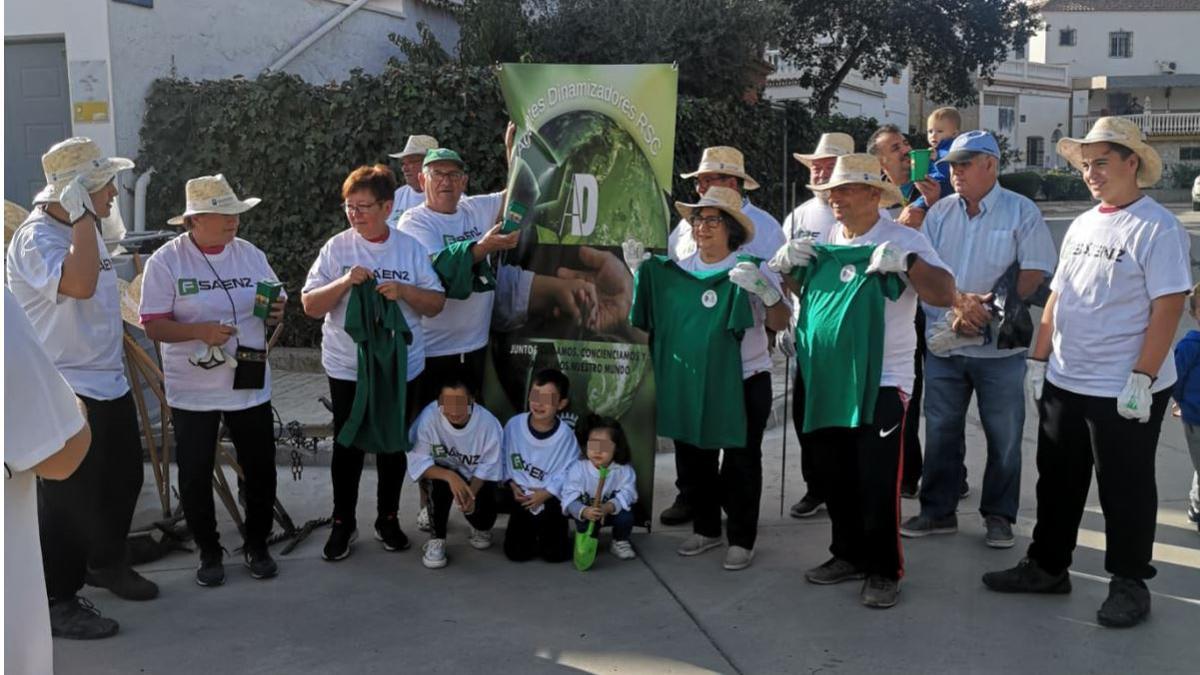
{"x":199,"y":293}
{"x":368,"y":249}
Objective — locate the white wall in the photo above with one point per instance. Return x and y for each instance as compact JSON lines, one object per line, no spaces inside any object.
{"x":1157,"y":36}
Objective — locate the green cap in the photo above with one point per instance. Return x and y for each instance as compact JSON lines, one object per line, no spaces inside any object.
{"x":443,"y":155}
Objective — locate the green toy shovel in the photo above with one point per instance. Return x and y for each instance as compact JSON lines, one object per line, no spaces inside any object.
{"x":585,"y":543}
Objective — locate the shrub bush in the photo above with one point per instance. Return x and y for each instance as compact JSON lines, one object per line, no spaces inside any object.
{"x":1026,"y":183}
{"x":1061,"y":186}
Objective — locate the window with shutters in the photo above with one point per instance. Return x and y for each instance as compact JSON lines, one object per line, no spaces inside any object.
{"x":1066,"y":37}
{"x":1035,"y":151}
{"x":1120,"y":44}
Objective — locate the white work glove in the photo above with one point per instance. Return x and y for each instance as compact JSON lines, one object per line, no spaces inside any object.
{"x":795,"y":253}
{"x":751,"y":279}
{"x":76,"y":201}
{"x":635,"y":254}
{"x":887,"y":258}
{"x":1035,"y":378}
{"x":1134,"y":401}
{"x":785,"y":342}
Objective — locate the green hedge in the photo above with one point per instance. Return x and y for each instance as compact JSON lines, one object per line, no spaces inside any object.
{"x":1061,"y":186}
{"x":1026,"y":183}
{"x":292,"y":143}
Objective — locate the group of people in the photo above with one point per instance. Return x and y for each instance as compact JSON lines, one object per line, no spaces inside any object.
{"x":873,"y":309}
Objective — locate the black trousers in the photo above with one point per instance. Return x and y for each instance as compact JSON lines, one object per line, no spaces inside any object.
{"x":861,"y":468}
{"x":733,"y":481}
{"x":253,"y":434}
{"x":442,"y":502}
{"x":346,"y":467}
{"x":83,"y":521}
{"x":468,"y":366}
{"x":1075,"y":434}
{"x":913,"y":460}
{"x":544,"y":536}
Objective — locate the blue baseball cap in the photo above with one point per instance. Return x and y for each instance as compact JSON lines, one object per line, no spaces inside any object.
{"x":969,"y":144}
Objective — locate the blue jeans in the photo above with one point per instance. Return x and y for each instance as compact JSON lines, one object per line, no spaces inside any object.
{"x":622,"y":525}
{"x":999,"y":386}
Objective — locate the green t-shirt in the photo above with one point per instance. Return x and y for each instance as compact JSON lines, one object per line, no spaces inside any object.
{"x":696,"y":322}
{"x":460,"y":274}
{"x":378,"y":416}
{"x":839,"y":335}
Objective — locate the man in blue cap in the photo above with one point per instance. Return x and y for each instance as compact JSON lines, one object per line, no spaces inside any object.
{"x":986,"y":234}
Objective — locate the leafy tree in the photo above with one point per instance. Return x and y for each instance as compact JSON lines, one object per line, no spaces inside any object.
{"x":945,"y":42}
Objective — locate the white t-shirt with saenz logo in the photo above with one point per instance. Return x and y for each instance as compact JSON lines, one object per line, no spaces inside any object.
{"x":535,"y":463}
{"x":463,"y":325}
{"x":899,"y":336}
{"x":178,"y":283}
{"x":475,"y":451}
{"x":84,"y":338}
{"x":398,"y":258}
{"x":582,"y":479}
{"x":404,"y":199}
{"x":1112,"y":265}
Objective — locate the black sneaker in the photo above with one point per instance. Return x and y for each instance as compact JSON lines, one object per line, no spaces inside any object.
{"x":879,"y":592}
{"x":342,"y":535}
{"x":387,"y":530}
{"x":76,"y":618}
{"x":123,"y":582}
{"x":923,"y":525}
{"x":1128,"y":603}
{"x":212,"y":570}
{"x":807,"y":507}
{"x":834,"y":571}
{"x":676,"y":514}
{"x":258,"y":560}
{"x":1027,"y":577}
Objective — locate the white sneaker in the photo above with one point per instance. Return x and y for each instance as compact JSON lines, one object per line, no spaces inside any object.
{"x":622,"y":549}
{"x":424,"y":522}
{"x":434,"y":555}
{"x":480,"y":539}
{"x":697,"y":544}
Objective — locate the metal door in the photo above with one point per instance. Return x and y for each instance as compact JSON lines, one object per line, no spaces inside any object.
{"x":37,"y":113}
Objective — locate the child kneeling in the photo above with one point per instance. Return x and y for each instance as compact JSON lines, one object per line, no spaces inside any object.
{"x":457,"y":448}
{"x":605,"y":445}
{"x":539,"y":447}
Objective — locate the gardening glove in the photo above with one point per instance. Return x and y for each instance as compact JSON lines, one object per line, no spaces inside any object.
{"x":1035,"y":378}
{"x":785,"y":342}
{"x":747,"y":276}
{"x":1134,"y":401}
{"x":76,"y":201}
{"x":635,"y":254}
{"x":795,"y":253}
{"x":888,"y":259}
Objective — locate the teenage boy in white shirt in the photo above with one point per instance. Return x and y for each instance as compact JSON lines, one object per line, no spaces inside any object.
{"x":1101,"y":372}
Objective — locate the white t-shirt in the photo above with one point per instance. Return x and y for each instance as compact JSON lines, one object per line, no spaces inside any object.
{"x":579,"y":487}
{"x":768,"y":236}
{"x":463,"y":325}
{"x":815,"y":218}
{"x":534,"y":463}
{"x":899,"y":336}
{"x":475,"y":451}
{"x":41,"y":415}
{"x":178,"y":284}
{"x":404,"y":199}
{"x":84,"y":338}
{"x":755,"y":358}
{"x":398,"y":258}
{"x":1112,"y":265}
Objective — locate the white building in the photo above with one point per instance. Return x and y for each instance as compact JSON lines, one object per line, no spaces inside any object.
{"x":83,"y":67}
{"x":1138,"y":58}
{"x":885,"y":101}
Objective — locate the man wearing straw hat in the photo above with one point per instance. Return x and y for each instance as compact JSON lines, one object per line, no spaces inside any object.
{"x":1101,"y":372}
{"x":721,"y":166}
{"x":860,"y":465}
{"x":411,"y":193}
{"x":60,"y":272}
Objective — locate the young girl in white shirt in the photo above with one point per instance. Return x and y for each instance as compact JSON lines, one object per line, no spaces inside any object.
{"x":604,"y":444}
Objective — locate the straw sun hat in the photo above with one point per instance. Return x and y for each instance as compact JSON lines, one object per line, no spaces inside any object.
{"x":723,"y":198}
{"x":724,"y":160}
{"x":212,"y":194}
{"x":861,"y":169}
{"x":1121,"y":132}
{"x":834,"y":144}
{"x":77,"y":156}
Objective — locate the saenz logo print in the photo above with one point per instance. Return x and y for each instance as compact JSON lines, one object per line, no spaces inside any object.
{"x":193,"y":286}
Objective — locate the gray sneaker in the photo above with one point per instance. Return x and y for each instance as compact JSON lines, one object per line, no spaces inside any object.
{"x":834,"y":571}
{"x":999,"y":532}
{"x":923,"y":525}
{"x":880,"y":592}
{"x":697,"y":544}
{"x":738,"y":558}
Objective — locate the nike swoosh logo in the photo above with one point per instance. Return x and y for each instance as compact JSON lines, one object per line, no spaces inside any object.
{"x":885,"y":434}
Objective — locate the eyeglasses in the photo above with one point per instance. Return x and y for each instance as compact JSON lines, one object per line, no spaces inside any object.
{"x":439,"y":176}
{"x":358,"y":208}
{"x":708,"y":221}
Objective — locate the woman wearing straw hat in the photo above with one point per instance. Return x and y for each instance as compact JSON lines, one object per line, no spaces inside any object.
{"x":60,"y":272}
{"x":199,"y":293}
{"x":1101,"y":372}
{"x":708,"y":481}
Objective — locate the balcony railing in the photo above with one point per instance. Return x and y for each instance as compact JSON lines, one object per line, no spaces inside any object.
{"x":1032,"y":72}
{"x":1160,"y":124}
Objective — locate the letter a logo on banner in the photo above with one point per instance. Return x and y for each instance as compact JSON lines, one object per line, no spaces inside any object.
{"x":585,"y":200}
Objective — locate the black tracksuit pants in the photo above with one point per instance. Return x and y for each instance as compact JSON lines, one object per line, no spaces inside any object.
{"x":346,"y":467}
{"x":442,"y":503}
{"x":544,"y":535}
